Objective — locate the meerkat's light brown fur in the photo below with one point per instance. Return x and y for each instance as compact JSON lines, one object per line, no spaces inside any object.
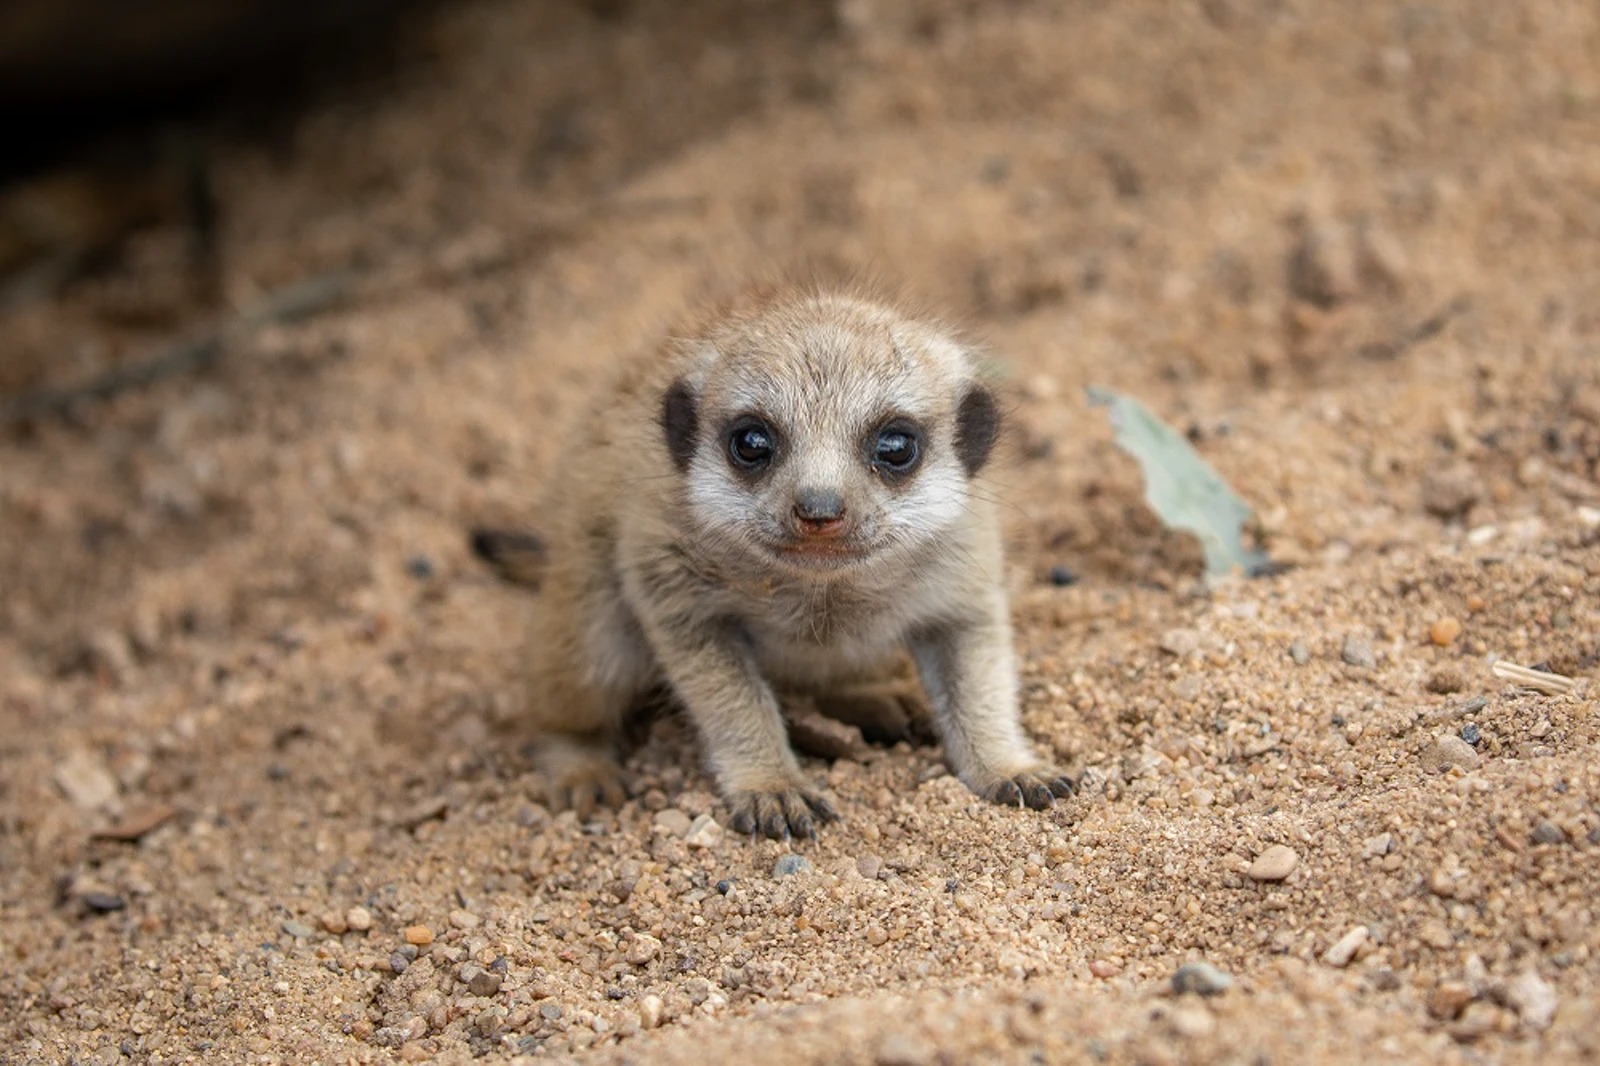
{"x":789,"y":497}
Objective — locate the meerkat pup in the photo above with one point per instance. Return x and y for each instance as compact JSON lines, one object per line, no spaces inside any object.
{"x":790,"y":497}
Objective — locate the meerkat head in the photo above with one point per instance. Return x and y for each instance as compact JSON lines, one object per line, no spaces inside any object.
{"x":827,"y":433}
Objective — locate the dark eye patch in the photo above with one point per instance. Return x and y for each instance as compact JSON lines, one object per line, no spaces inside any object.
{"x":977,"y":428}
{"x":680,"y":423}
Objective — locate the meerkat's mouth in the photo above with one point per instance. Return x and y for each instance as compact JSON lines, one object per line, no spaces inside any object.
{"x":820,"y":554}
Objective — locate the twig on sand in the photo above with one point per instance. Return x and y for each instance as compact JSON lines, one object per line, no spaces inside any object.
{"x":1539,"y":680}
{"x":291,"y":303}
{"x":1414,"y":335}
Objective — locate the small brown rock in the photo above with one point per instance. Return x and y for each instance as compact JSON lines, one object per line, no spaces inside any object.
{"x":1444,"y":631}
{"x":358,"y":919}
{"x":1449,"y":494}
{"x":420,"y":935}
{"x":1448,"y":1000}
{"x":1449,"y":751}
{"x":1274,"y":864}
{"x":1445,"y":680}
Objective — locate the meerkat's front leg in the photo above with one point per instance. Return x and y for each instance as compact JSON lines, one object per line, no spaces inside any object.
{"x":741,"y":725}
{"x":968,"y":672}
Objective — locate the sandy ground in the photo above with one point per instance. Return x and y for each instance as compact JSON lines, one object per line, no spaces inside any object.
{"x":264,"y":792}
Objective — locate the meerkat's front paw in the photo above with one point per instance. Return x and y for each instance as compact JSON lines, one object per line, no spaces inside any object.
{"x":581,"y":777}
{"x":1035,"y":788}
{"x":779,"y":814}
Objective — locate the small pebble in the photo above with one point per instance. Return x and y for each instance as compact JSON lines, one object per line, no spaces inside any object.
{"x":84,"y":779}
{"x":723,"y":887}
{"x":1548,"y":832}
{"x":333,"y":922}
{"x":1344,"y":949}
{"x":1061,"y":577}
{"x":1448,"y":1000}
{"x":460,"y":919}
{"x":642,"y":950}
{"x":485,"y":983}
{"x":1444,"y":631}
{"x":672,"y":821}
{"x":420,"y":567}
{"x":1274,"y":864}
{"x":1445,"y":680}
{"x":1471,"y":733}
{"x":1201,"y":979}
{"x":1299,"y":652}
{"x":650,"y":1010}
{"x":103,"y":902}
{"x":1533,"y":999}
{"x":298,"y":930}
{"x":1104,"y":968}
{"x":1377,"y":847}
{"x":790,"y":865}
{"x":1357,"y":651}
{"x":1180,"y":642}
{"x":420,"y":935}
{"x":868,"y":866}
{"x":1449,"y":751}
{"x":359,"y":919}
{"x":550,"y":1011}
{"x":1192,"y":1021}
{"x":703,"y":832}
{"x":398,"y":962}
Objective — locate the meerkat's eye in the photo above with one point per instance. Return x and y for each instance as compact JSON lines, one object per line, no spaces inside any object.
{"x":751,"y":445}
{"x":896,"y":450}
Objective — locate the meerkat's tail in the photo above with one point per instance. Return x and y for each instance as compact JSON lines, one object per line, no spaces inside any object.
{"x":514,"y":555}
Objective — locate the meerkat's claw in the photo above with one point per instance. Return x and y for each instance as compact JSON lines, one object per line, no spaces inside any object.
{"x":1034,"y":789}
{"x":792,"y":812}
{"x":581,"y":779}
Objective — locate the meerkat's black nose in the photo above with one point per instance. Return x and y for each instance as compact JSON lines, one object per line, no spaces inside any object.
{"x":819,"y":510}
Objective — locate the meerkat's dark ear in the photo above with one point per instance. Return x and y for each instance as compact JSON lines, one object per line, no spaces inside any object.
{"x":680,"y":421}
{"x":977,"y":427}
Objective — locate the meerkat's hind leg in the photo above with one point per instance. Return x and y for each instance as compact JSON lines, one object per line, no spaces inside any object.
{"x":884,"y":711}
{"x":581,"y":773}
